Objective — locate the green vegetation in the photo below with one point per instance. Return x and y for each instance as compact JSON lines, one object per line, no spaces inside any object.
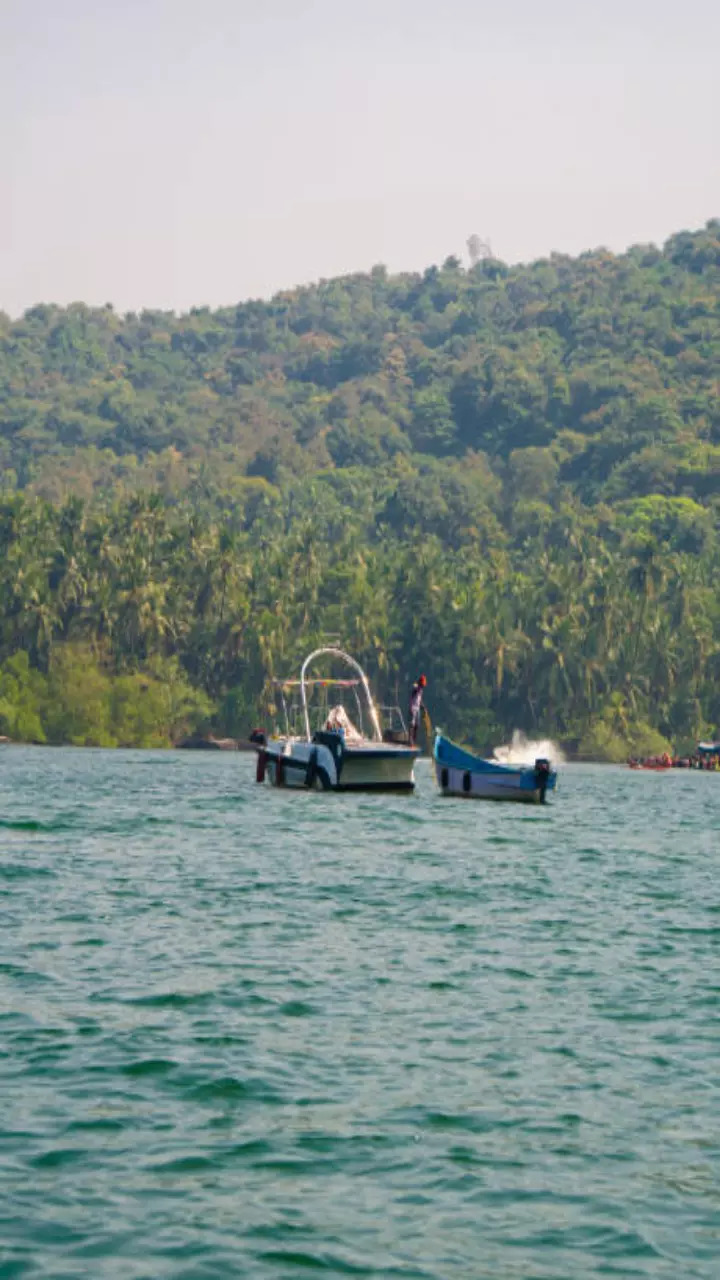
{"x":506,"y":477}
{"x":77,"y":702}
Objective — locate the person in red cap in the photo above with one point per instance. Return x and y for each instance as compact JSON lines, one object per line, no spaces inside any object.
{"x":416,"y":697}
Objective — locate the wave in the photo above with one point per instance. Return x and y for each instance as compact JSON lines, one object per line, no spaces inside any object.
{"x":524,"y":750}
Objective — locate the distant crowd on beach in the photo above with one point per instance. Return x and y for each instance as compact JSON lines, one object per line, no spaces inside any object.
{"x":696,"y":762}
{"x":709,"y":762}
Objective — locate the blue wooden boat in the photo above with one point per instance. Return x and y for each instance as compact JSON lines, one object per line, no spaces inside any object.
{"x":460,"y":773}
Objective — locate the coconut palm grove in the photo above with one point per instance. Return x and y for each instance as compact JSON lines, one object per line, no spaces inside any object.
{"x":505,"y":477}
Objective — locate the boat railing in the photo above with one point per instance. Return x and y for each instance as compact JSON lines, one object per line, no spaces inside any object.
{"x":392,"y":723}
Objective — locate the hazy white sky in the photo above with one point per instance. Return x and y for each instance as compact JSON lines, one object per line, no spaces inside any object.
{"x":175,"y":153}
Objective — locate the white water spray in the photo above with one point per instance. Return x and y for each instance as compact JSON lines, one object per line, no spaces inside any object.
{"x":524,"y":750}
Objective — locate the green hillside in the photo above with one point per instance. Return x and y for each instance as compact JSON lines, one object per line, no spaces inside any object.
{"x":506,"y":476}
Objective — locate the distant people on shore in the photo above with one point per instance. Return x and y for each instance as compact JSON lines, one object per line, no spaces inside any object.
{"x":707,"y":762}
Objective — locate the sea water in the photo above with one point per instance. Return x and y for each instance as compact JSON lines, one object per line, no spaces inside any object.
{"x":252,"y":1033}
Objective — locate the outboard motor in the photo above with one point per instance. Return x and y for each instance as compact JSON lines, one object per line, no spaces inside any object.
{"x":542,"y":777}
{"x":258,"y":737}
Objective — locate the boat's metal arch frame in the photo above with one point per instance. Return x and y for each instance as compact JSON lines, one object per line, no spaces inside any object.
{"x":351,"y":662}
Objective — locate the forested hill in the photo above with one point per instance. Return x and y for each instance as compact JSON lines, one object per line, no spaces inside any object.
{"x":507,"y":475}
{"x":607,"y":364}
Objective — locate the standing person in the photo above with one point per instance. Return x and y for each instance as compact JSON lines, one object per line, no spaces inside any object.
{"x":416,"y":697}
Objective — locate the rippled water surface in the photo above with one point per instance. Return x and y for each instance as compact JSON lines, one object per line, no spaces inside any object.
{"x":253,"y":1033}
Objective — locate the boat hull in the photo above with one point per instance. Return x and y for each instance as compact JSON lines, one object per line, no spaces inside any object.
{"x":381,"y":770}
{"x":330,"y":765}
{"x":470,"y":777}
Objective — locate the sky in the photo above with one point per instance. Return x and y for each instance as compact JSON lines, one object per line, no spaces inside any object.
{"x":179,"y":153}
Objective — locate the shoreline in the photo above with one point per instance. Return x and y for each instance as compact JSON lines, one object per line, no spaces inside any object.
{"x":245,"y":747}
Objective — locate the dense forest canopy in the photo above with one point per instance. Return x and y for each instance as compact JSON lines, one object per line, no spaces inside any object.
{"x":506,"y":476}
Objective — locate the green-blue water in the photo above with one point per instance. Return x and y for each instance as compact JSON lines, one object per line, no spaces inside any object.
{"x":253,"y":1033}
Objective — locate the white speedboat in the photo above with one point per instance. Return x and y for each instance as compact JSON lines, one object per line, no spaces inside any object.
{"x":334,"y":754}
